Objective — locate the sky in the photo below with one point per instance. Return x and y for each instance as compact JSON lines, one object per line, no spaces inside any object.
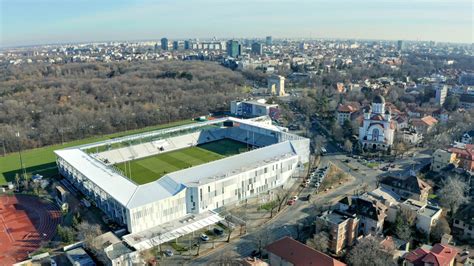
{"x":29,"y":22}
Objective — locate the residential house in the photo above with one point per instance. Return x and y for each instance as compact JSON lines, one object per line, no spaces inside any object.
{"x":438,"y":255}
{"x":116,"y":252}
{"x":397,"y":246}
{"x":346,"y":112}
{"x":287,"y":252}
{"x":463,"y":224}
{"x":441,"y":159}
{"x":426,"y":215}
{"x":388,"y":198}
{"x":371,"y":213}
{"x":468,"y":137}
{"x":424,"y":124}
{"x":410,"y":136}
{"x":465,"y":154}
{"x":253,"y":262}
{"x":409,"y":187}
{"x":341,"y":228}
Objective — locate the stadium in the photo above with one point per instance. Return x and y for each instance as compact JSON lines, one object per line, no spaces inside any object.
{"x":175,"y":180}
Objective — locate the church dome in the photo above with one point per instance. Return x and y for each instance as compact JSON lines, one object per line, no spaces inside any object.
{"x":379,"y":99}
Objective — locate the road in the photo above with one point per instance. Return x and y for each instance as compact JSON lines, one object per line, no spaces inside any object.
{"x":288,"y":221}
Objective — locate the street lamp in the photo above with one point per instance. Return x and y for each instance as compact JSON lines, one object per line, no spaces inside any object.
{"x":19,"y":151}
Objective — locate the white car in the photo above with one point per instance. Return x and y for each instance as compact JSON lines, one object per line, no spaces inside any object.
{"x":295,"y":198}
{"x":204,"y":237}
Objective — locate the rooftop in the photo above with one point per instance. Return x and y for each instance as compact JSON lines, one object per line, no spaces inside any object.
{"x":297,"y":253}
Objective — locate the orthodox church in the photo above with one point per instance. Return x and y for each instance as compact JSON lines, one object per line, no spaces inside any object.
{"x":377,"y":130}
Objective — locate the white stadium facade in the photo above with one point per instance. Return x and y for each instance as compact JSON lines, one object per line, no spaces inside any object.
{"x":182,"y":201}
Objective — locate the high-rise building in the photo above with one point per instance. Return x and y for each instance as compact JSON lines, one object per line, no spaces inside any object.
{"x":257,"y":48}
{"x":400,"y":45}
{"x":164,"y":43}
{"x":187,"y":45}
{"x":234,"y":49}
{"x":175,"y":45}
{"x":441,"y":92}
{"x":269,"y":40}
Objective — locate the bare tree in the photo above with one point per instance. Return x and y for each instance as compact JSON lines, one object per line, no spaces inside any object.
{"x":369,"y":252}
{"x":453,"y":193}
{"x":348,"y":145}
{"x":319,"y":241}
{"x":88,"y":234}
{"x":441,"y":228}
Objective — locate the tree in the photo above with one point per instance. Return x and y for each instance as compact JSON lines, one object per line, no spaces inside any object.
{"x":453,"y":193}
{"x":348,"y":146}
{"x":441,"y":228}
{"x":66,"y":234}
{"x":89,"y":235}
{"x":319,"y":241}
{"x":369,"y":252}
{"x":404,"y":223}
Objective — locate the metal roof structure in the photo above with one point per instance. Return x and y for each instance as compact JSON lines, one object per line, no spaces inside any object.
{"x":131,"y":195}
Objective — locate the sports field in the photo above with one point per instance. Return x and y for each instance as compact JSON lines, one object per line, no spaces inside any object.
{"x":43,"y":161}
{"x":152,"y":168}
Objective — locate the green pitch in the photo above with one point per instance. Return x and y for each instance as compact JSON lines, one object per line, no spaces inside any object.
{"x":151,"y":168}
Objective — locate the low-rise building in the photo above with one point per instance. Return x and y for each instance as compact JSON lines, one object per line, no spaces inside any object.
{"x":441,"y":159}
{"x":438,"y":255}
{"x":426,"y":215}
{"x":288,"y":252}
{"x":463,"y":224}
{"x":79,"y":257}
{"x":410,"y":136}
{"x":465,"y":154}
{"x":468,"y":137}
{"x":424,"y":124}
{"x":346,"y":112}
{"x":371,"y":213}
{"x":341,"y":227}
{"x":409,"y":187}
{"x":254,"y":108}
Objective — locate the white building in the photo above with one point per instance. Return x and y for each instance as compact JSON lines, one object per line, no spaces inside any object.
{"x":441,"y":93}
{"x":377,"y":129}
{"x":191,"y":193}
{"x":254,"y":108}
{"x":276,"y":85}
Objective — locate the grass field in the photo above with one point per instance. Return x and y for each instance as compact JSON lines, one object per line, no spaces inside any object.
{"x":152,"y":168}
{"x":43,"y":160}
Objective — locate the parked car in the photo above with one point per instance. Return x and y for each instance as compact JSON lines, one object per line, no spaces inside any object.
{"x":218,"y":231}
{"x":295,"y":198}
{"x":291,"y":202}
{"x":308,"y":197}
{"x":169,"y":253}
{"x":204,"y":237}
{"x":306,"y":181}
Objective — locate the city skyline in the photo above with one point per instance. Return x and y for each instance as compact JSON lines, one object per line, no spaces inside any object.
{"x":55,"y":21}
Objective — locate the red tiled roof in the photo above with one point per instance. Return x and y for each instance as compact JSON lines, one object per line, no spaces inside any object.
{"x":439,"y":255}
{"x":300,"y":254}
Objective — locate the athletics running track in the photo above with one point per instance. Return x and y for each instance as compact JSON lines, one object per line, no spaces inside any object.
{"x":25,"y":223}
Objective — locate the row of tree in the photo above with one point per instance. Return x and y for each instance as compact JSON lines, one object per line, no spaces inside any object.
{"x":50,"y":104}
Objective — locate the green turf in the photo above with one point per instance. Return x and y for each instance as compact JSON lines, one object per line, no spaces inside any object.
{"x":43,"y":160}
{"x":152,"y":168}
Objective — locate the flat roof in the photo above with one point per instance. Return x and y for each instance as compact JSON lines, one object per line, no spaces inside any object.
{"x":130,"y":194}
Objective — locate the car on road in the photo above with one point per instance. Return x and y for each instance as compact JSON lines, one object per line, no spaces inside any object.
{"x":169,"y":253}
{"x":347,"y":161}
{"x":204,"y":237}
{"x":291,"y":202}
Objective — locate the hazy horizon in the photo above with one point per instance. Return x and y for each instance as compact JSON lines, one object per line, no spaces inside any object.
{"x":29,"y":22}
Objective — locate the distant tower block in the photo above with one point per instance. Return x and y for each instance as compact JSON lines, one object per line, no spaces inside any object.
{"x":276,"y":85}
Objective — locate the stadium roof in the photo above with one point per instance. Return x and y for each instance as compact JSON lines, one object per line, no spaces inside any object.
{"x":131,"y":195}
